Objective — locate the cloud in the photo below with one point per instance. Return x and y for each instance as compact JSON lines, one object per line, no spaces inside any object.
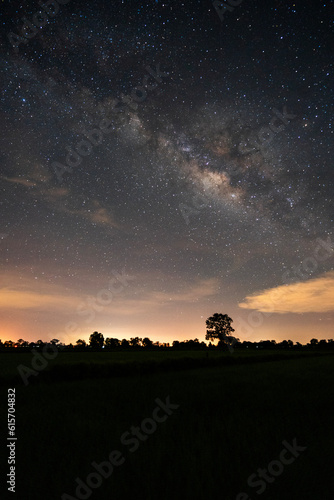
{"x":96,"y":215}
{"x":36,"y":175}
{"x":28,"y":299}
{"x":19,"y":180}
{"x":24,"y":291}
{"x":155,"y":300}
{"x":62,"y":199}
{"x":315,"y":295}
{"x":92,"y":212}
{"x":56,"y":194}
{"x":101,"y":216}
{"x":202,"y":289}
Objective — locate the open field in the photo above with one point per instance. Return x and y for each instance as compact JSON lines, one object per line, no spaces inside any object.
{"x":231,"y":421}
{"x":10,"y":361}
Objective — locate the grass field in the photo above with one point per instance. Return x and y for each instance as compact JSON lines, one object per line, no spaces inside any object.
{"x":11,"y":360}
{"x":231,"y":421}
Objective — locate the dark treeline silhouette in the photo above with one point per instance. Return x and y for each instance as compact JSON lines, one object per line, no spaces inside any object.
{"x":97,"y":342}
{"x":218,"y":328}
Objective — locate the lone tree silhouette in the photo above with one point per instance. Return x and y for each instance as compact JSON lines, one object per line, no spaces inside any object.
{"x":96,"y":340}
{"x":218,"y":327}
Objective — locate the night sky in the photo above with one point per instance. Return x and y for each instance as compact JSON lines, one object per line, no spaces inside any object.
{"x":163,"y":161}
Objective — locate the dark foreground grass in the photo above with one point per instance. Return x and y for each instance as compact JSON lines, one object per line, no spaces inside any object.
{"x":231,"y":420}
{"x":14,"y":367}
{"x":9,"y":361}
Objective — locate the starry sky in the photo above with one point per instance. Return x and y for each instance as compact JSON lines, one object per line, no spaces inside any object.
{"x":163,"y":161}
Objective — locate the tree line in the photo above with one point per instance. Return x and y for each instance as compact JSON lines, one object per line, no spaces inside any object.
{"x":218,"y":329}
{"x":98,"y":342}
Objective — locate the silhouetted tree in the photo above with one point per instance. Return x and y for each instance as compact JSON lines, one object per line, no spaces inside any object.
{"x":81,"y":343}
{"x":111,"y":343}
{"x":266,"y":344}
{"x":135,"y":341}
{"x":124,"y":344}
{"x":193,"y":344}
{"x":246,"y":344}
{"x":96,"y":340}
{"x":147,"y":343}
{"x":218,"y":327}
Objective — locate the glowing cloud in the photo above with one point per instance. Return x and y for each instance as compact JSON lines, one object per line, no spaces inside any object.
{"x":20,"y":299}
{"x":19,"y":180}
{"x":315,"y":295}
